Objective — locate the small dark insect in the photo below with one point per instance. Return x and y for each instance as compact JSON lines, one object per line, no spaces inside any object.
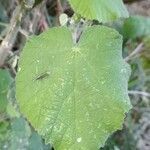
{"x":42,"y":76}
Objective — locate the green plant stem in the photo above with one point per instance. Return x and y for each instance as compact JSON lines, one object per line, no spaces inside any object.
{"x":139,"y":93}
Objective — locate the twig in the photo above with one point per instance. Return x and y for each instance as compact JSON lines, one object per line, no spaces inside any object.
{"x":23,"y":32}
{"x":139,"y":93}
{"x":3,"y":24}
{"x":137,"y":50}
{"x":12,"y":30}
{"x":59,"y":10}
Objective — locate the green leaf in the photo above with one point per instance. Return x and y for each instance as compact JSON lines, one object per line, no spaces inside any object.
{"x":36,"y":143}
{"x":20,"y":132}
{"x":5,"y":80}
{"x":74,"y":95}
{"x":4,"y":133}
{"x":37,"y":2}
{"x":11,"y":110}
{"x":102,"y":10}
{"x":136,"y":27}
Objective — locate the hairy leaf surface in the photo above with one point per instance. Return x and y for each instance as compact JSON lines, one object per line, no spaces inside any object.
{"x":74,"y":94}
{"x":102,"y":10}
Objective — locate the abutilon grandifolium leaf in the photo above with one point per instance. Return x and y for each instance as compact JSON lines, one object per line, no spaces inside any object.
{"x":102,"y":10}
{"x":74,"y":94}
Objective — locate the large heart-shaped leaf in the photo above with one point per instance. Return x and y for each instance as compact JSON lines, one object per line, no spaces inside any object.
{"x":102,"y":10}
{"x":75,"y":95}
